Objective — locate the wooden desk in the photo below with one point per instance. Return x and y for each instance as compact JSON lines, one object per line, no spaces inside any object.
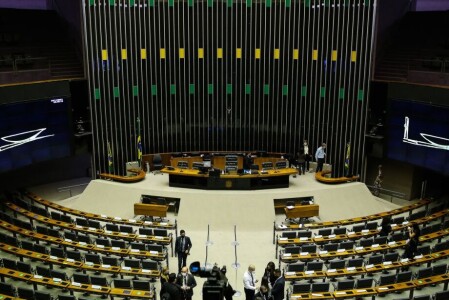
{"x":189,"y":178}
{"x":140,"y":175}
{"x":302,"y":211}
{"x":152,"y":210}
{"x":321,"y":177}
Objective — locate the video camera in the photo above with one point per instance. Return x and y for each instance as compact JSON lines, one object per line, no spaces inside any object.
{"x":216,"y":286}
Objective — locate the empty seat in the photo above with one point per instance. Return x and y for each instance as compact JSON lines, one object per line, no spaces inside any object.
{"x":84,"y":238}
{"x":132,"y":263}
{"x":336,"y":264}
{"x":143,"y":285}
{"x":7,"y":289}
{"x":43,"y":271}
{"x":92,"y":258}
{"x":289,"y":234}
{"x":118,"y":244}
{"x":398,"y":236}
{"x":375,"y":259}
{"x":56,"y":251}
{"x":301,"y":288}
{"x":94,"y":224}
{"x":39,"y":295}
{"x":308,"y":248}
{"x":55,"y":215}
{"x":304,"y":234}
{"x":40,"y":248}
{"x":67,"y":219}
{"x":66,"y":297}
{"x":422,"y":297}
{"x":82,"y":222}
{"x":345,"y":285}
{"x":111,"y":261}
{"x":330,"y":247}
{"x":393,"y":256}
{"x":76,"y":255}
{"x":372,"y":225}
{"x":25,"y":293}
{"x":424,"y":250}
{"x":346,"y":245}
{"x":122,"y":283}
{"x":9,"y":263}
{"x":99,"y":280}
{"x":126,"y":229}
{"x":315,"y":266}
{"x":53,"y":232}
{"x":81,"y":278}
{"x":439,"y":269}
{"x":320,"y":287}
{"x":149,"y":265}
{"x":341,"y":230}
{"x":70,"y":235}
{"x":103,"y":242}
{"x":325,"y":232}
{"x":364,"y":283}
{"x":25,"y":267}
{"x":112,"y":227}
{"x":58,"y":274}
{"x":146,"y":231}
{"x":292,"y":250}
{"x":366,"y":242}
{"x":296,"y":267}
{"x":355,"y":262}
{"x":138,"y":246}
{"x":358,"y":228}
{"x":26,"y":245}
{"x":155,"y":248}
{"x":441,"y":295}
{"x":160,"y":232}
{"x":404,"y":276}
{"x":41,"y":229}
{"x":386,"y":279}
{"x":380,"y":240}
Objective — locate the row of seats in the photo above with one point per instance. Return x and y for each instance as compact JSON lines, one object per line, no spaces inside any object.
{"x":24,"y":293}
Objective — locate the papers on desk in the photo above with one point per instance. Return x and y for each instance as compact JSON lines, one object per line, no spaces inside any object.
{"x":365,"y":230}
{"x":374,"y":245}
{"x":159,"y":237}
{"x":123,"y":233}
{"x":100,"y":246}
{"x":104,"y":216}
{"x":332,"y":236}
{"x":135,"y":250}
{"x":341,"y":250}
{"x":369,"y":266}
{"x":132,"y":221}
{"x":391,"y":243}
{"x":146,"y":271}
{"x":76,"y":283}
{"x":361,"y":291}
{"x":53,"y":257}
{"x":319,"y":236}
{"x":126,"y":268}
{"x":70,"y":259}
{"x":350,"y":268}
{"x":106,"y":266}
{"x":117,"y":218}
{"x":153,"y":252}
{"x":282,"y":226}
{"x":387,"y":263}
{"x":303,"y":238}
{"x":107,"y":231}
{"x":163,"y":223}
{"x":404,"y":260}
{"x":96,"y":287}
{"x":68,"y":240}
{"x":115,"y":248}
{"x":57,"y":280}
{"x":359,"y":248}
{"x":309,"y":272}
{"x":37,"y":276}
{"x":323,"y":252}
{"x":89,"y":263}
{"x":303,"y":253}
{"x":92,"y":229}
{"x":351,"y":233}
{"x":142,"y":235}
{"x":286,"y":254}
{"x":283,"y":238}
{"x":418,"y":256}
{"x":331,"y":270}
{"x":290,"y":273}
{"x":317,"y":295}
{"x":383,"y":288}
{"x":394,"y":225}
{"x":82,"y":243}
{"x":405,"y":223}
{"x":148,"y":222}
{"x":290,"y":207}
{"x":340,"y":293}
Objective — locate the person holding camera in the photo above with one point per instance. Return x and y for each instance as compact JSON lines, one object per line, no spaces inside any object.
{"x":186,"y":282}
{"x":182,"y":249}
{"x":249,"y":282}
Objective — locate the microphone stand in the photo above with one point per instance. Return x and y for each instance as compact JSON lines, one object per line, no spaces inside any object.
{"x":236,"y":265}
{"x":208,"y":243}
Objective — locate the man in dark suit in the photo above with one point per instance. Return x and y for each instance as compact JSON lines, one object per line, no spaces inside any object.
{"x":277,"y":291}
{"x":171,"y":288}
{"x":182,"y":249}
{"x":186,"y":282}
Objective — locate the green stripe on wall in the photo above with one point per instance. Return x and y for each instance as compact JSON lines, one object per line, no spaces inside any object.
{"x":247,"y":89}
{"x":307,"y":3}
{"x":116,"y":92}
{"x":151,"y":3}
{"x":228,"y":88}
{"x":249,"y":3}
{"x":288,"y":3}
{"x":229,"y":3}
{"x":111,"y":2}
{"x":153,"y":90}
{"x":341,"y":93}
{"x":210,"y":88}
{"x":91,"y":2}
{"x":322,"y":92}
{"x":132,"y":2}
{"x":266,"y":89}
{"x":190,"y":2}
{"x":268,"y":3}
{"x":191,"y":89}
{"x":360,"y":95}
{"x":97,"y":94}
{"x":171,"y":3}
{"x":210,"y":3}
{"x":135,"y":90}
{"x":172,"y":89}
{"x":303,"y":91}
{"x":285,"y":90}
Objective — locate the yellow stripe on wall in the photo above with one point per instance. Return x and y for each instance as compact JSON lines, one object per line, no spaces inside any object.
{"x":143,"y":53}
{"x":219,"y":52}
{"x":277,"y":53}
{"x":334,"y":55}
{"x":238,"y":53}
{"x":354,"y":56}
{"x":104,"y":54}
{"x":257,"y":53}
{"x":162,"y":53}
{"x":315,"y":54}
{"x":200,"y":53}
{"x":295,"y":53}
{"x":124,"y":54}
{"x":181,"y":53}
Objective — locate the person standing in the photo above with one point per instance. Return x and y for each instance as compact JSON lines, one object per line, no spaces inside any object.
{"x":411,"y":247}
{"x":186,"y":282}
{"x":249,"y":282}
{"x":277,"y":291}
{"x":182,"y":249}
{"x":319,"y":156}
{"x":169,"y":290}
{"x":306,"y":156}
{"x":385,"y":226}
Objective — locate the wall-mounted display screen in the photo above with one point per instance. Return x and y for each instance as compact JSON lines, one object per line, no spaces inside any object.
{"x":34,"y":131}
{"x":418,"y":133}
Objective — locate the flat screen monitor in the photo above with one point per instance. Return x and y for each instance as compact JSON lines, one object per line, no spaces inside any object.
{"x":207,"y":163}
{"x":34,"y":131}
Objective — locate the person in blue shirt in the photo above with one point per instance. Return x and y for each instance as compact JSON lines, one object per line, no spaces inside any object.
{"x":320,"y":154}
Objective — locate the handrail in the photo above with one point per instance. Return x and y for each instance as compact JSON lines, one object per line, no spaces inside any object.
{"x":69,"y":188}
{"x":388,"y":192}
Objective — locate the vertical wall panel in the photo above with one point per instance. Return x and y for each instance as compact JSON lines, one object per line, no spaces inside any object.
{"x":228,"y":75}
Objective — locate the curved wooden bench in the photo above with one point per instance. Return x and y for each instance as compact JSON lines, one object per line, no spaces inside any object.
{"x":80,"y":245}
{"x":378,"y":216}
{"x":321,"y":177}
{"x":140,"y":175}
{"x":368,"y":269}
{"x":103,"y":218}
{"x":72,"y":287}
{"x":19,"y":252}
{"x":327,"y":255}
{"x":166,"y":240}
{"x":283,"y":242}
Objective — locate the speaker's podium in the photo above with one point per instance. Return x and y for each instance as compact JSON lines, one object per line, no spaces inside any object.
{"x":213,"y":289}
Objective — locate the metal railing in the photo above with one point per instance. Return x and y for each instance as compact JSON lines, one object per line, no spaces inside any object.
{"x":70,"y":187}
{"x":392,"y":194}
